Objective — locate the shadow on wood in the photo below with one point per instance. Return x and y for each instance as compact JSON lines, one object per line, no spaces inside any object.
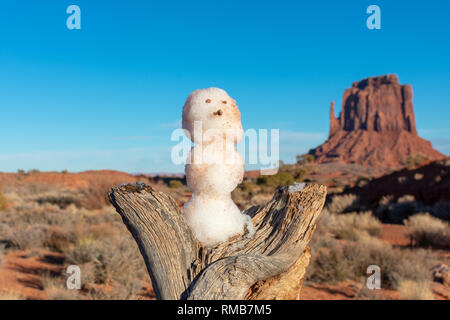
{"x":269,"y":265}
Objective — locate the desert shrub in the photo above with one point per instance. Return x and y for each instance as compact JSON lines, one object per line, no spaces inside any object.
{"x":371,"y":251}
{"x":305,"y":164}
{"x":385,"y":200}
{"x":3,"y":202}
{"x":2,"y":253}
{"x":412,"y":265}
{"x":84,"y":251}
{"x":329,"y":266}
{"x":39,"y":229}
{"x":342,"y":203}
{"x":396,"y":265}
{"x":125,"y":288}
{"x":282,"y":178}
{"x":33,"y":171}
{"x":247,"y":186}
{"x":425,"y":230}
{"x":352,"y":226}
{"x":96,"y":240}
{"x":42,"y":215}
{"x":418,"y":176}
{"x":397,"y":212}
{"x":415,"y":290}
{"x":300,"y":173}
{"x":56,"y":288}
{"x":322,"y":240}
{"x":305,"y":159}
{"x":174,"y":184}
{"x":29,"y":237}
{"x":259,"y":199}
{"x":106,"y":215}
{"x":349,"y":261}
{"x":59,"y":239}
{"x":5,"y":233}
{"x":407,"y":198}
{"x":62,"y":198}
{"x":114,"y":261}
{"x":362,"y":181}
{"x":414,"y":161}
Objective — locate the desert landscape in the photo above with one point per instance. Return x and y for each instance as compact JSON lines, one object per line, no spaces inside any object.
{"x":388,"y":204}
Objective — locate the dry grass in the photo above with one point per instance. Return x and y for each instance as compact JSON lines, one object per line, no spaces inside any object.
{"x":425,"y":230}
{"x":351,"y":226}
{"x":29,"y":237}
{"x":3,"y":202}
{"x":112,"y":267}
{"x":114,"y":262}
{"x":56,"y":288}
{"x":6,"y":294}
{"x":333,"y":262}
{"x":415,"y":290}
{"x":342,"y":203}
{"x":95,"y":240}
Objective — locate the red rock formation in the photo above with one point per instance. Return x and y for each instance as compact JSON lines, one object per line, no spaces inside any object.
{"x":334,"y":122}
{"x":376,"y":126}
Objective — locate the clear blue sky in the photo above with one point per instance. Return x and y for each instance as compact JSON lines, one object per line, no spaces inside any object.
{"x":109,"y":95}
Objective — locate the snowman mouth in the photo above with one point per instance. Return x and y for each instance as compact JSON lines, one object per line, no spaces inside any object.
{"x":218,"y":112}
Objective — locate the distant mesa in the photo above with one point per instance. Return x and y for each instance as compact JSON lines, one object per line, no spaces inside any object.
{"x":376,"y":126}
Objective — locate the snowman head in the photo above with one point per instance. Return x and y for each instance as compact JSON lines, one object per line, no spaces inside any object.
{"x":212,"y":113}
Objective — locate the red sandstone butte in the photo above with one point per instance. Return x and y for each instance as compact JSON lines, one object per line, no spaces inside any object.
{"x":376,"y":126}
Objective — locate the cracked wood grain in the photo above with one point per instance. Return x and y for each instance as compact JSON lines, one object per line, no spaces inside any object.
{"x":269,"y":265}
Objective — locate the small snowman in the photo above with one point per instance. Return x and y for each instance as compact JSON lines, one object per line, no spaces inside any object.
{"x":213,"y":169}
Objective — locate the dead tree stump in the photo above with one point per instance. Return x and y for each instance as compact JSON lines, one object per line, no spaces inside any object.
{"x":269,"y":265}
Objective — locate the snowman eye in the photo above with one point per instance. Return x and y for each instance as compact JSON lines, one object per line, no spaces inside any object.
{"x":208,"y":100}
{"x":224,"y":102}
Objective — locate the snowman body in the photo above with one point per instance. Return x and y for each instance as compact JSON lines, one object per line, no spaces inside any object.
{"x":214,"y":167}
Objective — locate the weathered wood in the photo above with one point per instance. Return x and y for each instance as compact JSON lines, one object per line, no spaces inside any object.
{"x":285,"y":286}
{"x":271,"y":264}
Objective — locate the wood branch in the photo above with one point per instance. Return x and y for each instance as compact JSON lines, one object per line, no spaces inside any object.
{"x":258,"y":267}
{"x":286,"y":286}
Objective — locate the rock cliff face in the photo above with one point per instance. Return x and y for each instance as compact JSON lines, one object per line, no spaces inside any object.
{"x":376,"y":126}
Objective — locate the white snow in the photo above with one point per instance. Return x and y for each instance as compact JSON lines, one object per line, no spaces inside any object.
{"x":213,"y":122}
{"x":296,"y":187}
